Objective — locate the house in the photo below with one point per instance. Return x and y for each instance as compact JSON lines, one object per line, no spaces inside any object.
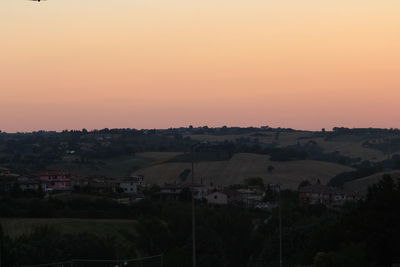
{"x":319,"y":194}
{"x":139,"y":179}
{"x":26,"y":183}
{"x":54,"y":180}
{"x":250,"y":198}
{"x":353,"y":196}
{"x":102,"y":186}
{"x":326,"y":195}
{"x":170,"y":192}
{"x":183,"y":192}
{"x":127,"y":185}
{"x":77,"y":181}
{"x":223,"y":197}
{"x":4,"y":172}
{"x":7,"y":183}
{"x":200,"y":191}
{"x":218,"y":198}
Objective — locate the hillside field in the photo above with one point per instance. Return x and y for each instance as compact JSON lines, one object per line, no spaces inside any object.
{"x":346,"y":146}
{"x":242,"y":166}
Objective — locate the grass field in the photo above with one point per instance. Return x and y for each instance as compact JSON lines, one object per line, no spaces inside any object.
{"x":117,"y":229}
{"x":346,"y":146}
{"x":245,"y":165}
{"x":351,"y":148}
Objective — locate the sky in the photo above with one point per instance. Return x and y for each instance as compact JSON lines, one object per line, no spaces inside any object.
{"x":304,"y":64}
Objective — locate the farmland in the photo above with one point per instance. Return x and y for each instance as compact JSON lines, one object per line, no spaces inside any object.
{"x":116,"y":228}
{"x":244,"y":165}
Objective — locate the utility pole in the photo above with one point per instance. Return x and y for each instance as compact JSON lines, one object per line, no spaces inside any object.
{"x":193,"y":213}
{"x":280,"y":227}
{"x":1,"y":243}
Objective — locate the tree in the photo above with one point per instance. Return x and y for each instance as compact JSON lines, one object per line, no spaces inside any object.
{"x":254,"y":181}
{"x":350,"y":255}
{"x":271,"y":168}
{"x":375,"y":222}
{"x":304,"y":184}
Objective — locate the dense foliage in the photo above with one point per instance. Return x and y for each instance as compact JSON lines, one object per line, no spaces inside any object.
{"x":362,"y":234}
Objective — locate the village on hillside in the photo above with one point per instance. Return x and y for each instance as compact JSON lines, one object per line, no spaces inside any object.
{"x":253,"y":193}
{"x":146,"y":189}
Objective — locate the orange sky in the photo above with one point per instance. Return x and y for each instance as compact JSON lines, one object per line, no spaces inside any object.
{"x":167,"y":63}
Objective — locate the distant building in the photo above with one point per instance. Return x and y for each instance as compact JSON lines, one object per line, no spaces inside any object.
{"x":250,"y":198}
{"x":170,"y":192}
{"x":54,"y":180}
{"x":183,"y":192}
{"x":8,"y":183}
{"x":218,"y":198}
{"x":102,"y":186}
{"x":138,"y":179}
{"x":4,"y":171}
{"x":127,"y":185}
{"x":200,"y":191}
{"x":326,"y":195}
{"x":223,"y":197}
{"x":77,"y":181}
{"x":26,"y":183}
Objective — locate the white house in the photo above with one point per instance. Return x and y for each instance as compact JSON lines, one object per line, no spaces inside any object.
{"x":224,"y":197}
{"x":26,"y":183}
{"x":199,"y":191}
{"x":128,"y":186}
{"x":218,"y":198}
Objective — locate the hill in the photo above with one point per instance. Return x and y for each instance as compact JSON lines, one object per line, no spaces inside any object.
{"x":113,"y":167}
{"x":347,"y":145}
{"x":242,"y":166}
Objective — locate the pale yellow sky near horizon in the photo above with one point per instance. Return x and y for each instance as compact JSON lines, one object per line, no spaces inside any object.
{"x":303,"y":64}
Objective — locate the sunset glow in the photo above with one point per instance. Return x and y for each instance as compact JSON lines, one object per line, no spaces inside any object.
{"x":157,"y":64}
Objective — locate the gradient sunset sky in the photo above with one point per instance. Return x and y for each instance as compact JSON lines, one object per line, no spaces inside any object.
{"x":307,"y":64}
